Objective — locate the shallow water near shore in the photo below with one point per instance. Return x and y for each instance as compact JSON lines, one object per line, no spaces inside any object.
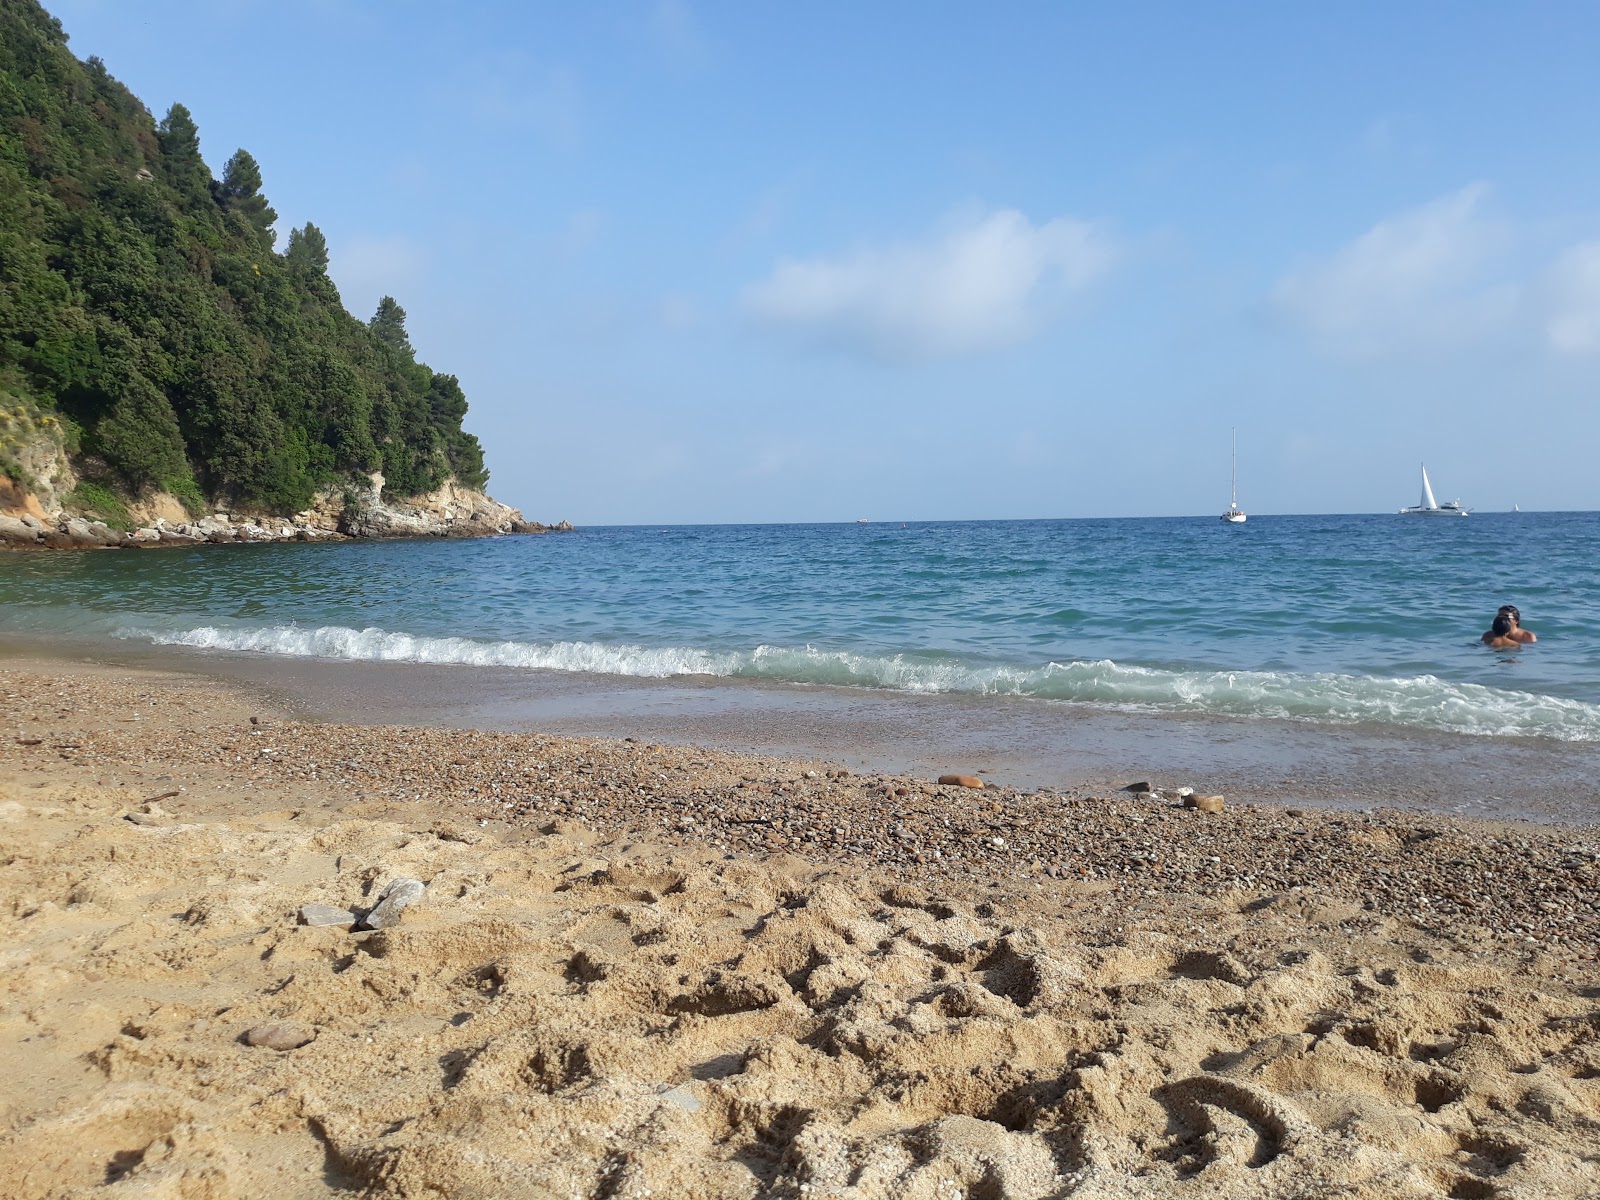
{"x":1314,"y":658}
{"x":1011,"y":742}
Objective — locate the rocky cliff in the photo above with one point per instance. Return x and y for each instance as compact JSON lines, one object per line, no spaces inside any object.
{"x":450,"y":510}
{"x":57,"y":517}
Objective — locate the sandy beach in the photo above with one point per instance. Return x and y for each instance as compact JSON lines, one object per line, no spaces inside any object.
{"x":644,"y":969}
{"x":896,"y":782}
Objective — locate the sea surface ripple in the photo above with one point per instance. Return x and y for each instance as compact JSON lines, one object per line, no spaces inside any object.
{"x":1342,"y":620}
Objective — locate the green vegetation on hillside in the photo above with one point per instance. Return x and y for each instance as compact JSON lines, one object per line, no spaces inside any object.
{"x":143,"y":305}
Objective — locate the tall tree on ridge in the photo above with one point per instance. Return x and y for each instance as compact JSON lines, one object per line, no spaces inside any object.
{"x":179,"y":138}
{"x":389,"y":323}
{"x":240,"y":191}
{"x":308,"y":248}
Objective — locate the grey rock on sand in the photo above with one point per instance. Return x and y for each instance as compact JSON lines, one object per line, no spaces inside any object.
{"x":326,"y":914}
{"x":289,"y":1035}
{"x":680,"y":1098}
{"x":399,"y":895}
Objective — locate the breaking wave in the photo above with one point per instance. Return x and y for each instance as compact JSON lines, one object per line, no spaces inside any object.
{"x":1423,"y":701}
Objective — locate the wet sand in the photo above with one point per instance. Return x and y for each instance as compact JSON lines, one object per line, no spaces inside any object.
{"x":1023,"y":743}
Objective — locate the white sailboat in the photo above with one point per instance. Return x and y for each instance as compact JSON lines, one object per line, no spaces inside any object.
{"x":1235,"y":514}
{"x":1431,"y":507}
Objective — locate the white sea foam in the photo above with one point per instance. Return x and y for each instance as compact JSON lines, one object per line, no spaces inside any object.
{"x":1423,"y":701}
{"x":379,"y":645}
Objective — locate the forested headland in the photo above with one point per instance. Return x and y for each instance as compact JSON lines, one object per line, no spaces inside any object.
{"x":153,"y":326}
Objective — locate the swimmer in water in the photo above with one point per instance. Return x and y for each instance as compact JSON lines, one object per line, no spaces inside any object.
{"x":1498,"y":637}
{"x":1518,"y":633}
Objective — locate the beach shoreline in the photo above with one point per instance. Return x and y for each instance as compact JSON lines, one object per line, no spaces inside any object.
{"x":1021,"y":742}
{"x":634,"y":958}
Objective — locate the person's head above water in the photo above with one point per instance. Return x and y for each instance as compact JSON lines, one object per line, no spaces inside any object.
{"x":1518,"y":634}
{"x":1503,"y":624}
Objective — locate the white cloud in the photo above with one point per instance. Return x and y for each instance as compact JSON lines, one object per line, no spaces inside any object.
{"x":1415,"y":280}
{"x":983,"y":281}
{"x":1573,"y":291}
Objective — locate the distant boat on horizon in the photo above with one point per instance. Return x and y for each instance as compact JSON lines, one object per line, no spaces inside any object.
{"x":1431,"y":507}
{"x":1235,"y":514}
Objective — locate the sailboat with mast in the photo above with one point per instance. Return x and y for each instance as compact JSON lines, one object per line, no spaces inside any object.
{"x":1429,"y":507}
{"x":1235,"y":514}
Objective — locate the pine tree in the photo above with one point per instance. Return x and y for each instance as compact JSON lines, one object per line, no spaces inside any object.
{"x":240,"y":192}
{"x":308,"y":249}
{"x":389,"y":323}
{"x":179,"y":139}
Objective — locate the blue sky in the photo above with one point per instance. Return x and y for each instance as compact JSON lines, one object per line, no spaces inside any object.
{"x":774,"y":262}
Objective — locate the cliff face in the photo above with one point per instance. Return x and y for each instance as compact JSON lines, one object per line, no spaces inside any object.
{"x":36,"y":473}
{"x":451,"y":510}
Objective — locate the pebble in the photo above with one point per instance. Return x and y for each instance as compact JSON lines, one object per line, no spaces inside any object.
{"x":399,"y":895}
{"x":966,"y":781}
{"x":326,"y":914}
{"x":681,"y":1099}
{"x":289,"y":1035}
{"x":1475,"y":873}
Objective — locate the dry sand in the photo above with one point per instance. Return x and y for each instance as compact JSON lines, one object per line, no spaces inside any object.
{"x":652,"y":970}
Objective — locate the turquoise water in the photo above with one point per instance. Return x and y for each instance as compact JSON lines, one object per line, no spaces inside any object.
{"x":1342,"y":620}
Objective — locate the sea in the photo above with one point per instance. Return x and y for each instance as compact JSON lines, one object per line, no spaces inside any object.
{"x":900,"y":639}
